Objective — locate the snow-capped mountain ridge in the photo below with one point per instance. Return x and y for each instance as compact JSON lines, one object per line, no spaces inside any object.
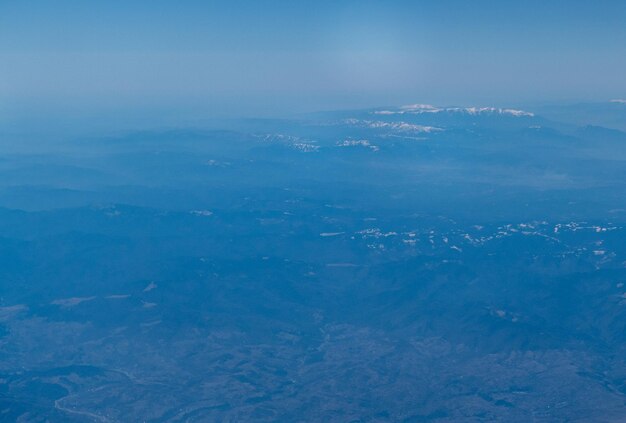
{"x":416,"y":109}
{"x":397,"y":126}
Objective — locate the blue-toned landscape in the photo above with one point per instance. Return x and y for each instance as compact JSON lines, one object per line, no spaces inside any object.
{"x":352,"y":211}
{"x":396,"y":264}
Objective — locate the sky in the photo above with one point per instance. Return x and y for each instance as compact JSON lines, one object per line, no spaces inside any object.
{"x":153,"y":60}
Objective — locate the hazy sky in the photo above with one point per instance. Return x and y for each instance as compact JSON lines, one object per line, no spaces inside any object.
{"x":227,"y":58}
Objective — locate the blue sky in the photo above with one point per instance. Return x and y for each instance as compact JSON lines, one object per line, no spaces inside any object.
{"x":184,"y":58}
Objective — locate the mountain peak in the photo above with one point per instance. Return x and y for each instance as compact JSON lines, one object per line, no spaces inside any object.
{"x":417,"y":109}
